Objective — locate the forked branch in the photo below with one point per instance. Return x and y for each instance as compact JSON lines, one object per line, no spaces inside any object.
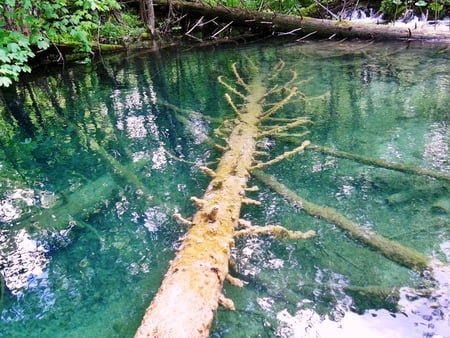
{"x":238,"y":77}
{"x":231,"y":89}
{"x":279,"y":105}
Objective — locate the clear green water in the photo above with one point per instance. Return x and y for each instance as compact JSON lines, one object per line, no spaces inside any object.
{"x":87,"y":190}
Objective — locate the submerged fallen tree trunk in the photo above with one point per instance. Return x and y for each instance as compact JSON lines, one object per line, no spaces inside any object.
{"x":382,"y":163}
{"x":192,"y":288}
{"x":272,"y":22}
{"x":392,"y":250}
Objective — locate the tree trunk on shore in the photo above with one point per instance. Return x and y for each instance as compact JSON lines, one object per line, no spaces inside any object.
{"x":266,"y":22}
{"x":192,"y":288}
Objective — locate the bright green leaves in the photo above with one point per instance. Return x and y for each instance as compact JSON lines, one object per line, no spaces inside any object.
{"x":10,"y":3}
{"x":14,"y":54}
{"x":29,"y":23}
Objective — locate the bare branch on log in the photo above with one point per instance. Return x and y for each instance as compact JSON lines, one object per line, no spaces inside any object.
{"x":222,"y":29}
{"x":232,"y":105}
{"x":235,"y":281}
{"x":181,"y":220}
{"x":250,"y":201}
{"x":238,"y":76}
{"x":276,"y":231}
{"x":283,"y":156}
{"x":277,"y":129}
{"x":226,"y":303}
{"x":207,"y":171}
{"x":281,"y":104}
{"x":231,"y":89}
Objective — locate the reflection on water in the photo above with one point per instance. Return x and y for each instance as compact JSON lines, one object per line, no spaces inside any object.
{"x":94,"y":162}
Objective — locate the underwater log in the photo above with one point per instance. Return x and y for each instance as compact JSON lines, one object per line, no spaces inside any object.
{"x":76,"y":205}
{"x":192,"y":288}
{"x":382,"y":163}
{"x":191,"y":291}
{"x":392,"y":250}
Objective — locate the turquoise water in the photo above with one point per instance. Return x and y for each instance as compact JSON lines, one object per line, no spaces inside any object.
{"x":89,"y":180}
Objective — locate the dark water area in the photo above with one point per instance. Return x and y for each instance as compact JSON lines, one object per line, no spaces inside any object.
{"x":95,"y":160}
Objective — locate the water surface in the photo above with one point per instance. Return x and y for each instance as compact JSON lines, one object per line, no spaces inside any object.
{"x":95,"y":160}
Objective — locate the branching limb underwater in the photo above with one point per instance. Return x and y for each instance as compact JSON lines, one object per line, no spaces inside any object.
{"x":207,"y":171}
{"x":231,"y":89}
{"x":274,"y":230}
{"x":296,"y":136}
{"x":280,"y":104}
{"x":235,"y":281}
{"x":382,"y":163}
{"x":392,"y":250}
{"x":226,"y":303}
{"x":283,"y":156}
{"x":278,"y":129}
{"x":291,"y":81}
{"x":238,"y":77}
{"x":181,"y":220}
{"x":250,"y":201}
{"x":277,"y":70}
{"x":231,"y":103}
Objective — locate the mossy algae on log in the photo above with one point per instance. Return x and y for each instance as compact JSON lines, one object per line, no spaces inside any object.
{"x":394,"y":251}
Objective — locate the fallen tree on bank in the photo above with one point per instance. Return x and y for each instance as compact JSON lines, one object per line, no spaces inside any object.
{"x":271,"y":23}
{"x":192,"y":288}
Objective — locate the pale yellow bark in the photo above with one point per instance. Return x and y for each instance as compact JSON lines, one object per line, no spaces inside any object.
{"x":192,"y":288}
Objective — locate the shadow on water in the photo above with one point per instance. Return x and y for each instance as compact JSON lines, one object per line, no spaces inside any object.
{"x":90,"y":175}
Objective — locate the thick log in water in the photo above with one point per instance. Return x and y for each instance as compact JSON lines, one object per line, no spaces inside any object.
{"x":392,"y":250}
{"x":188,"y":298}
{"x":382,"y":163}
{"x":191,"y":291}
{"x":77,"y":205}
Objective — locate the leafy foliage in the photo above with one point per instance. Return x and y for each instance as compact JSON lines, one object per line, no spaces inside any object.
{"x":28,"y":26}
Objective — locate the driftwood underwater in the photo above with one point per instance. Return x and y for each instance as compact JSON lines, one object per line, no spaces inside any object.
{"x":191,"y":290}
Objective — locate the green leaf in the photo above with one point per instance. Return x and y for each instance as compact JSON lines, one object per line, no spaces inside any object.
{"x":3,"y":56}
{"x":5,"y":81}
{"x":12,"y":47}
{"x":43,"y":44}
